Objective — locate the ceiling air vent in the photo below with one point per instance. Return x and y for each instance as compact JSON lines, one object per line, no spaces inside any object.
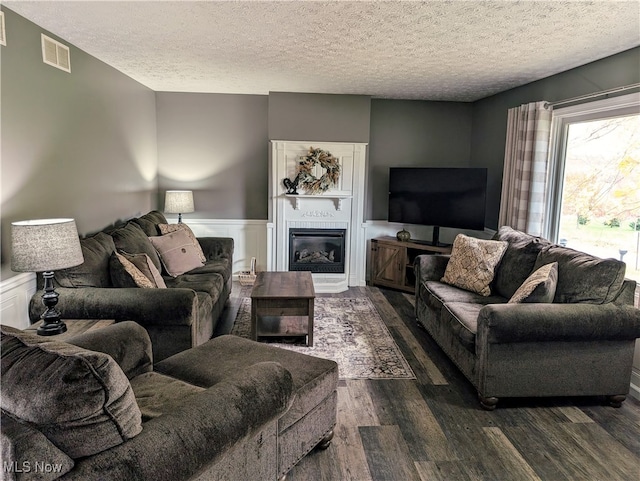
{"x":55,"y":54}
{"x":3,"y":35}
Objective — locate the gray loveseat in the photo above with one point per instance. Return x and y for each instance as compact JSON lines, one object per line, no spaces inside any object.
{"x":97,"y":408}
{"x":177,"y":318}
{"x":580,"y":344}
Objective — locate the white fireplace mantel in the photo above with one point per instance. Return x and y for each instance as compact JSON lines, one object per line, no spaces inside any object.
{"x":338,"y":198}
{"x":339,"y":208}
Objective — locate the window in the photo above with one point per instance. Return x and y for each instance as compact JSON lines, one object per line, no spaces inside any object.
{"x":595,"y":179}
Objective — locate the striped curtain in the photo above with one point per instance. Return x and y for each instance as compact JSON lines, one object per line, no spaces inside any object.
{"x":524,"y":180}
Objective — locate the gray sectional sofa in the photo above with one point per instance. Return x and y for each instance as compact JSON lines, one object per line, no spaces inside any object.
{"x":580,"y":344}
{"x":97,"y":408}
{"x":181,"y":316}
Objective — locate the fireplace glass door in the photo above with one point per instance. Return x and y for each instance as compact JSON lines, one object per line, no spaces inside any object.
{"x":317,"y":250}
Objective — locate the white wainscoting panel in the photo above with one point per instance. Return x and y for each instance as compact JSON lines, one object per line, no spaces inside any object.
{"x":635,"y":373}
{"x":15,"y":294}
{"x":249,"y":236}
{"x":634,"y":390}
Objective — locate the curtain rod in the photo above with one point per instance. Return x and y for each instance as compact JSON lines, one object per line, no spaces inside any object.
{"x":593,"y":95}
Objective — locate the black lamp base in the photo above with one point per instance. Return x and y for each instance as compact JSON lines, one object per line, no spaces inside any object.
{"x":52,"y":328}
{"x":51,"y":323}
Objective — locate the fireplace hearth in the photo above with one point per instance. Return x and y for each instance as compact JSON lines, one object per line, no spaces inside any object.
{"x":317,"y":250}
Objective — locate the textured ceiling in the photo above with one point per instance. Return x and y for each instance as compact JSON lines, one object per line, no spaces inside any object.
{"x":435,"y":50}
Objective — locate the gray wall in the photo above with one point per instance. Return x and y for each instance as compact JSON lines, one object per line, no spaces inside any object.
{"x":409,"y":133}
{"x":320,"y":117}
{"x":79,"y":145}
{"x":490,"y":114}
{"x":217,"y":146}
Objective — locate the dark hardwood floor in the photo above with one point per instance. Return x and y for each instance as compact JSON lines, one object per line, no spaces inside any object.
{"x":433,"y":428}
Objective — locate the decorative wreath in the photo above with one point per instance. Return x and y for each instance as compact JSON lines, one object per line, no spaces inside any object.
{"x":308,"y":181}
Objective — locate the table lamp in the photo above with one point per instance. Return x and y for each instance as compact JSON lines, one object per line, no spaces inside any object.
{"x":178,"y":202}
{"x":46,"y":245}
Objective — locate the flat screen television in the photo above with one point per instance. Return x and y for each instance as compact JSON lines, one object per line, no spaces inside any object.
{"x":438,"y":196}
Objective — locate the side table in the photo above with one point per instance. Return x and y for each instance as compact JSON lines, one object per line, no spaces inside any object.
{"x":75,"y":327}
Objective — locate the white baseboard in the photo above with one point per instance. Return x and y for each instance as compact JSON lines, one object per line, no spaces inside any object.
{"x":634,"y":389}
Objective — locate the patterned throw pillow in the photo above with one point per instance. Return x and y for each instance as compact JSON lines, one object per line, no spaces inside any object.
{"x":169,"y":228}
{"x":473,"y":263}
{"x":125,"y":274}
{"x":177,"y":252}
{"x":539,"y":286}
{"x":146,"y":266}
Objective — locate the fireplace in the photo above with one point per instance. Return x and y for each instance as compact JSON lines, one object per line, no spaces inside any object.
{"x":317,"y":250}
{"x":340,"y":208}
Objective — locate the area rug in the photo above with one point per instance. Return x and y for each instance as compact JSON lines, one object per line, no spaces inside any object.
{"x":349,"y":331}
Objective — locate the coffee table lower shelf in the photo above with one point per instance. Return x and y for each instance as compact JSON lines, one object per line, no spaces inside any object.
{"x":283,"y":326}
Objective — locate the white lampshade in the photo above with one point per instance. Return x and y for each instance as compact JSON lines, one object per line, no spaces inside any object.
{"x":178,"y":202}
{"x":45,"y":245}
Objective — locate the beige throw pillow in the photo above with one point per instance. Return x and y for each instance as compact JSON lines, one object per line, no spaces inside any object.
{"x":146,"y":266}
{"x":169,"y":228}
{"x":539,"y":286}
{"x":124,"y":273}
{"x":177,"y":252}
{"x":473,"y":263}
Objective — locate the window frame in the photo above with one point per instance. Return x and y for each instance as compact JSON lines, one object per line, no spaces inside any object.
{"x":561,"y":118}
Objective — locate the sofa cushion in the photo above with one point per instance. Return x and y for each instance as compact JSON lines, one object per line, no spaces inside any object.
{"x":462,"y":317}
{"x":211,"y":284}
{"x":445,"y":293}
{"x":518,"y":260}
{"x":473,"y":262}
{"x":132,"y":239}
{"x":220,"y":266}
{"x":539,"y":286}
{"x":146,"y":267}
{"x":149,"y":222}
{"x":79,"y":399}
{"x":583,"y":277}
{"x":169,"y":228}
{"x":94,"y":271}
{"x":125,"y":274}
{"x":177,"y":252}
{"x":157,"y":394}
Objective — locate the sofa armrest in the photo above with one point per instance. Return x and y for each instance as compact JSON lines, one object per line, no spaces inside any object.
{"x":430,"y":267}
{"x":23,"y":447}
{"x":126,"y":342}
{"x":509,"y":323}
{"x":626,"y":296}
{"x":217,"y":247}
{"x":179,"y":444}
{"x":166,"y":307}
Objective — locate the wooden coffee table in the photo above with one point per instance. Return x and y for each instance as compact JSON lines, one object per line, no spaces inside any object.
{"x":282,"y":305}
